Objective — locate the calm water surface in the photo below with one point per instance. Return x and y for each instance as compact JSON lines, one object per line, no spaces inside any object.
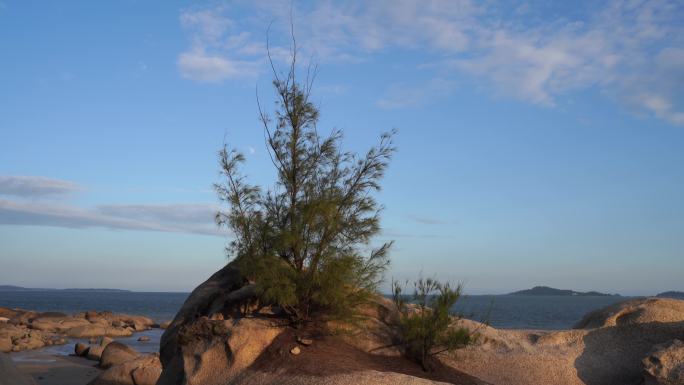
{"x":502,"y":311}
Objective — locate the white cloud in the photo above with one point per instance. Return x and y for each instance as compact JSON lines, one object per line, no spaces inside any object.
{"x":214,"y":49}
{"x":35,"y":186}
{"x":629,"y":49}
{"x":402,"y":95}
{"x":180,"y":218}
{"x":201,"y":67}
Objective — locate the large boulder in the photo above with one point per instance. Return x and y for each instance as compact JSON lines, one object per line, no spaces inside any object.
{"x":665,"y":364}
{"x":610,"y":354}
{"x":216,"y":351}
{"x":225,"y":291}
{"x":94,"y":352}
{"x":116,"y":353}
{"x":10,"y":375}
{"x":638,"y":311}
{"x":143,"y":370}
{"x":81,"y":349}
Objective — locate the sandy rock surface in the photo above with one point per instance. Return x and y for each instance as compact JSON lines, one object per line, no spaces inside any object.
{"x":665,"y":364}
{"x":639,"y":311}
{"x":366,"y":377}
{"x":10,"y":375}
{"x":610,"y":354}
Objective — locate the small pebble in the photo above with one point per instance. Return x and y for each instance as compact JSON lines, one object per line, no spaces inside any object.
{"x":295,"y":350}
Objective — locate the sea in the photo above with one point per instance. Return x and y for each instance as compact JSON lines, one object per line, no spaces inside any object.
{"x":500,"y":311}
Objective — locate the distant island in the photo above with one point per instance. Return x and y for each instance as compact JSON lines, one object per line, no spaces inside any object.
{"x":671,"y":294}
{"x":545,"y":290}
{"x":19,"y":288}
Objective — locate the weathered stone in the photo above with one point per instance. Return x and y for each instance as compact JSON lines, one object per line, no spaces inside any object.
{"x":104,"y":341}
{"x":147,"y":375}
{"x":94,"y":352}
{"x":607,"y":355}
{"x":86,"y":331}
{"x":5,"y":344}
{"x":81,"y":349}
{"x":638,"y":311}
{"x":143,"y":370}
{"x":665,"y":364}
{"x":116,"y":353}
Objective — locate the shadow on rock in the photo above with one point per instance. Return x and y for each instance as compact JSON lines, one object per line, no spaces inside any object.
{"x":613,"y":355}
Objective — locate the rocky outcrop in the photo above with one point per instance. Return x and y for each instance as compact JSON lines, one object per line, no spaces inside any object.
{"x":26,"y":330}
{"x":665,"y":364}
{"x":142,"y":370}
{"x":116,"y":353}
{"x":610,"y":353}
{"x":211,"y":342}
{"x":14,"y":338}
{"x":639,"y":311}
{"x":93,"y":351}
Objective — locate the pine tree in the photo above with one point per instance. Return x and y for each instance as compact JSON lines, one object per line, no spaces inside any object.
{"x":426,"y":325}
{"x":306,"y":243}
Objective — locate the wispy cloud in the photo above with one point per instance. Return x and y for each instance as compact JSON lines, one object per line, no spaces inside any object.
{"x":402,"y":95}
{"x":202,"y":67}
{"x":631,"y":50}
{"x":180,"y":218}
{"x":35,"y":186}
{"x":216,"y":52}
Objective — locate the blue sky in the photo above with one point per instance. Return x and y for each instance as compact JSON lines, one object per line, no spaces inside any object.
{"x":539,"y":142}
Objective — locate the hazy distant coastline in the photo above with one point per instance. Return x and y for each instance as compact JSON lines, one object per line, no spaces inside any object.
{"x":671,"y":294}
{"x":19,"y":288}
{"x":545,"y":290}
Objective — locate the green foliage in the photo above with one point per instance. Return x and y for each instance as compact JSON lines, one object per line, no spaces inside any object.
{"x":302,"y":242}
{"x":425,"y":322}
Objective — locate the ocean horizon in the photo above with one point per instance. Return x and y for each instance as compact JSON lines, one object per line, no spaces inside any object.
{"x":499,"y":311}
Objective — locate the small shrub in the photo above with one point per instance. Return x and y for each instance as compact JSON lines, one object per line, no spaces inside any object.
{"x":425,"y":322}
